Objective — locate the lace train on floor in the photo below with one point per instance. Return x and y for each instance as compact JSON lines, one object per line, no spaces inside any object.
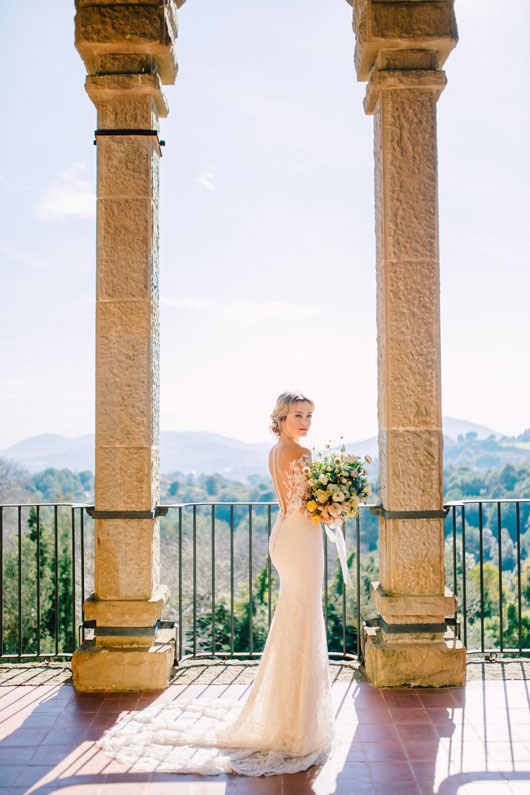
{"x":189,"y":736}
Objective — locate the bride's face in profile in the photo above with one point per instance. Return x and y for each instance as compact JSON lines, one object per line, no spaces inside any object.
{"x":298,"y":421}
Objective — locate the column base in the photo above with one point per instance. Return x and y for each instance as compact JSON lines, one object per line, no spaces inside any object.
{"x":96,"y":669}
{"x":438,"y":664}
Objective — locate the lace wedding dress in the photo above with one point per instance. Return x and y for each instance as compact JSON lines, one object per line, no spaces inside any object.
{"x":286,"y":724}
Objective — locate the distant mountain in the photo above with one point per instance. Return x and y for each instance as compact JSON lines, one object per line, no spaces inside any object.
{"x":202,"y":452}
{"x":184,"y":451}
{"x":51,"y":450}
{"x":198,"y":451}
{"x":454,"y":428}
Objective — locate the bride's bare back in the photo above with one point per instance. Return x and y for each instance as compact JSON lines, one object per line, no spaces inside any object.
{"x":286,"y":462}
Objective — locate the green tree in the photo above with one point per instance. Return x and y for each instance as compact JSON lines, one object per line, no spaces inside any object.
{"x":42,"y":595}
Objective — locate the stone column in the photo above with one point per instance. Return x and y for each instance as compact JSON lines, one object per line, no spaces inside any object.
{"x":127,"y":48}
{"x":400,"y":48}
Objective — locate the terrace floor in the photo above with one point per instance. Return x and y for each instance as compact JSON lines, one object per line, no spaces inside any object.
{"x":464,"y":740}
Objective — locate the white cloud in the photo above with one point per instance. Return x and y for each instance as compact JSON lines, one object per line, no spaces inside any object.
{"x":69,"y":195}
{"x":206,"y":179}
{"x":241,"y":309}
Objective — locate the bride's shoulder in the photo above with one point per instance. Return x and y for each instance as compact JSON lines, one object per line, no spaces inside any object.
{"x":300,"y":451}
{"x":289,"y":451}
{"x":296,"y":452}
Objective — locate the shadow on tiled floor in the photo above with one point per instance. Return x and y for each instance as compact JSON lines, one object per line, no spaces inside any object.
{"x":472,"y":740}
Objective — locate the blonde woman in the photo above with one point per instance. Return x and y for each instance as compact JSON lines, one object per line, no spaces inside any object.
{"x":286,"y":724}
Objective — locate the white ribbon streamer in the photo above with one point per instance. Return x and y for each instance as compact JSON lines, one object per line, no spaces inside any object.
{"x":338,"y":539}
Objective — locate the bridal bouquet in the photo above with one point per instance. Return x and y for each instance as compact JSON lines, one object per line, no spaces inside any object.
{"x":337,"y":484}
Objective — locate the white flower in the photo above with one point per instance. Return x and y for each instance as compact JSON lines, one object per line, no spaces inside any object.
{"x":323,"y":479}
{"x":322,"y":495}
{"x":346,"y":506}
{"x":348,"y":458}
{"x":306,"y":470}
{"x":338,"y":496}
{"x":335,"y":510}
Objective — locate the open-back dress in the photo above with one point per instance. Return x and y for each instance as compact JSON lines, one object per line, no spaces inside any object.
{"x":286,"y":723}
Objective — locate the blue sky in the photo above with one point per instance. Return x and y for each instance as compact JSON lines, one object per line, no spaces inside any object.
{"x":267,"y":222}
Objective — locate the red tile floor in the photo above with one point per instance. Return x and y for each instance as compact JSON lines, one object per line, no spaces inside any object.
{"x":472,"y":740}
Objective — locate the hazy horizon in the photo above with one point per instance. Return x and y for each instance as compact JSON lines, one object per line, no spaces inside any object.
{"x":263,"y":440}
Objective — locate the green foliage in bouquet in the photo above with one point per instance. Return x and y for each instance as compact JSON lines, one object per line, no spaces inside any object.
{"x":337,"y":482}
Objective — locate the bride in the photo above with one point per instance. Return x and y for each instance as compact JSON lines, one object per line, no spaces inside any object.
{"x":286,"y":724}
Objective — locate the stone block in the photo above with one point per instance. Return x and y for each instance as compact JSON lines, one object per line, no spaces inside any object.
{"x":412,"y":608}
{"x":125,"y":243}
{"x":127,"y":63}
{"x":124,"y":566}
{"x":126,"y":478}
{"x":97,"y":669}
{"x":125,"y":26}
{"x":406,"y":186}
{"x":125,"y":640}
{"x":412,"y":551}
{"x":409,"y":345}
{"x":123,"y":418}
{"x":127,"y":612}
{"x":128,"y":111}
{"x":394,"y":25}
{"x":406,"y":60}
{"x":410,"y":462}
{"x":435,"y":664}
{"x":124,"y":166}
{"x":127,"y":372}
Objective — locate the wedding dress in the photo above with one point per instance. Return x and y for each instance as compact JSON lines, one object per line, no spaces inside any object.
{"x":286,"y":724}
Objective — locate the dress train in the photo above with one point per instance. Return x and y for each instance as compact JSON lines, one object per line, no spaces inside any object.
{"x":286,"y":723}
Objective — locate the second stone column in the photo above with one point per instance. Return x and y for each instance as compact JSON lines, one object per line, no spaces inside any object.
{"x":400,"y":48}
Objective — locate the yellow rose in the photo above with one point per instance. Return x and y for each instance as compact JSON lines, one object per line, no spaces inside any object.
{"x":311,"y":505}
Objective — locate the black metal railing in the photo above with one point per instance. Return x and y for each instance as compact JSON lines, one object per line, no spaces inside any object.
{"x":46,"y":568}
{"x":223,"y":587}
{"x":223,"y":593}
{"x":489,"y":574}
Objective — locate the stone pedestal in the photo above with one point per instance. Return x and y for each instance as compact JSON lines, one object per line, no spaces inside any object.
{"x":413,"y":647}
{"x":128,"y":51}
{"x":400,"y":49}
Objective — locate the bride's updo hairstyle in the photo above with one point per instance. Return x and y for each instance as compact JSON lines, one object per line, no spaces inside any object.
{"x":283,"y":406}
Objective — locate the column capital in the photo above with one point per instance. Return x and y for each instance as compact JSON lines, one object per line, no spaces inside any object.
{"x":402,"y":25}
{"x":433,"y":80}
{"x":128,"y":36}
{"x":101,"y":88}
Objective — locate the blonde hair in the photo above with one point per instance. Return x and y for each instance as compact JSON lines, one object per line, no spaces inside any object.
{"x":284,"y":403}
